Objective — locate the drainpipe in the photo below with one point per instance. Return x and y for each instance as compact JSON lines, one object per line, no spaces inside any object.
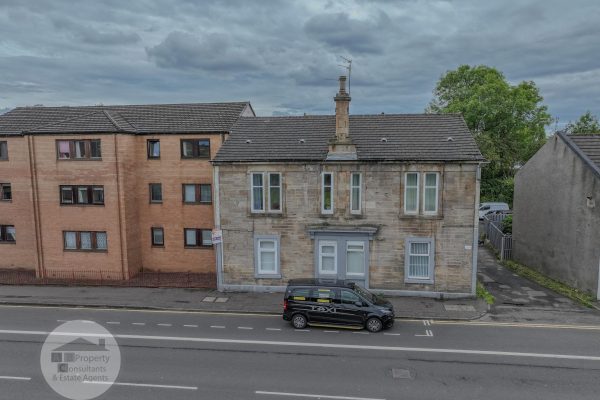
{"x":475,"y":231}
{"x":219,"y":252}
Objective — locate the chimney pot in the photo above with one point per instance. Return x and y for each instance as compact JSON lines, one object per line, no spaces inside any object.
{"x":342,"y":84}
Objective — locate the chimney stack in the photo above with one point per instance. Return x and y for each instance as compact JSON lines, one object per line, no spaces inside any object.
{"x":342,"y":110}
{"x":342,"y":148}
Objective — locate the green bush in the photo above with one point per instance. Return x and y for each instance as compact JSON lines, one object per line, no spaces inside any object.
{"x":507,"y":225}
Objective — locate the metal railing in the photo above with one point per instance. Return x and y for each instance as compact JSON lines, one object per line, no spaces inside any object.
{"x":141,"y":278}
{"x":503,"y":243}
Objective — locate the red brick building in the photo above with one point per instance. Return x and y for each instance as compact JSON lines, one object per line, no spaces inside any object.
{"x":110,"y":188}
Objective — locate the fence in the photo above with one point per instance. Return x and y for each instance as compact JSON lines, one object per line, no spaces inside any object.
{"x":109,"y":278}
{"x":492,"y":228}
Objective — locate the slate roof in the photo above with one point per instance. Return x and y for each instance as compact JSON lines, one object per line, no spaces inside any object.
{"x":139,"y":119}
{"x":406,"y":137}
{"x":585,"y":146}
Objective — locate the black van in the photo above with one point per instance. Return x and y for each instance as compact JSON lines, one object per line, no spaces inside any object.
{"x":327,"y":302}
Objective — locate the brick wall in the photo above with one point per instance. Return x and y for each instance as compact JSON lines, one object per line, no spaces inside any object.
{"x":18,"y":212}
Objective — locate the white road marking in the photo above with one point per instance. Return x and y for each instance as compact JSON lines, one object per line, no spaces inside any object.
{"x":314,"y":396}
{"x":144,"y":385}
{"x":113,"y":323}
{"x":273,"y":329}
{"x":138,"y":323}
{"x":302,"y":330}
{"x":361,"y":333}
{"x":310,"y":344}
{"x":164,"y":324}
{"x":428,"y":333}
{"x":519,"y":325}
{"x":426,"y":322}
{"x":191,"y":326}
{"x":16,"y":378}
{"x":245,"y":327}
{"x":331,"y":331}
{"x":392,"y":334}
{"x":217,"y":326}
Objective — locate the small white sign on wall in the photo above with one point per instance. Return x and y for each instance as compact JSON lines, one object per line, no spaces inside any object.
{"x":217,"y":236}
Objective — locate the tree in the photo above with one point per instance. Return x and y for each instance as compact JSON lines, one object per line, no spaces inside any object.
{"x":507,"y":121}
{"x":587,"y":124}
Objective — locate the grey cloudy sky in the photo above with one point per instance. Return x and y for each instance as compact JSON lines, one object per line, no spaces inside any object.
{"x":283,"y":56}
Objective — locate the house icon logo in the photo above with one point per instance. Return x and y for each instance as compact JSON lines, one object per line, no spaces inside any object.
{"x":80,"y":360}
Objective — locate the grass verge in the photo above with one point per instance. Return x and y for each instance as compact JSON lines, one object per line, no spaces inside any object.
{"x":484,"y":294}
{"x":583,"y":298}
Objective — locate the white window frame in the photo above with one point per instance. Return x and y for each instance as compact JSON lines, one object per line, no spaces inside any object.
{"x":437,"y":191}
{"x":323,"y":243}
{"x":356,"y":243}
{"x":252,"y":187}
{"x":431,"y":267}
{"x":406,"y":187}
{"x":352,"y":188}
{"x":323,"y":210}
{"x":258,"y":273}
{"x":268,"y":174}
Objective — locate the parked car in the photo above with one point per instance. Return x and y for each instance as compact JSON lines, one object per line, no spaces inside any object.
{"x":329,"y":302}
{"x":488,"y":208}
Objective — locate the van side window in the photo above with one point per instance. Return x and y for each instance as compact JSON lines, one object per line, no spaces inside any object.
{"x":323,"y":295}
{"x":349,"y":298}
{"x":301,"y":294}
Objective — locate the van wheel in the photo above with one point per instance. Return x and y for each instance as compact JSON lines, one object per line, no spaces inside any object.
{"x":374,"y":324}
{"x":299,"y":321}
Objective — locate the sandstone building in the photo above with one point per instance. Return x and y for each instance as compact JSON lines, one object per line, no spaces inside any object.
{"x":388,"y":201}
{"x":110,"y":188}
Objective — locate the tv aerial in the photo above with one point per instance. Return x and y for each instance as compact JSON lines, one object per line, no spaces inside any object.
{"x":348,"y":65}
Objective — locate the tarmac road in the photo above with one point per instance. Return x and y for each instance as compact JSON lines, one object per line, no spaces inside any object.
{"x":181,"y":355}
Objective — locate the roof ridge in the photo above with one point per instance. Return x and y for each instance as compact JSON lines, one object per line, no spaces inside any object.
{"x":577,"y":150}
{"x":108,"y":112}
{"x":109,"y":106}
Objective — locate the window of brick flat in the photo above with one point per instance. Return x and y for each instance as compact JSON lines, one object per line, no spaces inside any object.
{"x":194,"y":237}
{"x":158,"y":237}
{"x":8,"y":234}
{"x":85,"y":241}
{"x":197,"y":193}
{"x":153,"y":148}
{"x":155,"y":193}
{"x":3,"y":150}
{"x":5,"y":192}
{"x":81,"y":195}
{"x":195,"y":148}
{"x":84,"y":149}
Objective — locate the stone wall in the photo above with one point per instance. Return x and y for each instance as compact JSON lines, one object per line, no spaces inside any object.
{"x":382,"y":206}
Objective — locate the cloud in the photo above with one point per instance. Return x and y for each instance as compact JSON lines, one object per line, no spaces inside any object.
{"x":213,"y":52}
{"x":342,"y":32}
{"x":284,"y":56}
{"x":89,"y":35}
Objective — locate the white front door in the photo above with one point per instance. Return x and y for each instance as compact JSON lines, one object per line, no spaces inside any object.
{"x":344,"y":258}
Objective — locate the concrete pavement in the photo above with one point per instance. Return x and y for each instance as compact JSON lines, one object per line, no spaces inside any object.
{"x":212,"y":300}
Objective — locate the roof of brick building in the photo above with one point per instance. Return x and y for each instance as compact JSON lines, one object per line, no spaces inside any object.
{"x":136,"y":119}
{"x":380,"y":137}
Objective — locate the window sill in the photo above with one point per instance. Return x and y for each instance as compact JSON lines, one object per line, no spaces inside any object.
{"x":153,"y":158}
{"x":421,"y":216}
{"x":6,"y":201}
{"x":80,"y":205}
{"x":267,"y":214}
{"x":419,"y":281}
{"x":159,"y":246}
{"x":198,"y":247}
{"x":155,"y":202}
{"x":195,"y":158}
{"x":79,"y":159}
{"x":267,"y":276}
{"x":84,"y":251}
{"x":197,"y":203}
{"x":8,"y":242}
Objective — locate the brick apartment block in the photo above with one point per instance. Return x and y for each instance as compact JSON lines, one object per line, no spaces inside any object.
{"x":76,"y":187}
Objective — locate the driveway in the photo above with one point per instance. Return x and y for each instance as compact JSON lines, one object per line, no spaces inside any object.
{"x":519,"y":299}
